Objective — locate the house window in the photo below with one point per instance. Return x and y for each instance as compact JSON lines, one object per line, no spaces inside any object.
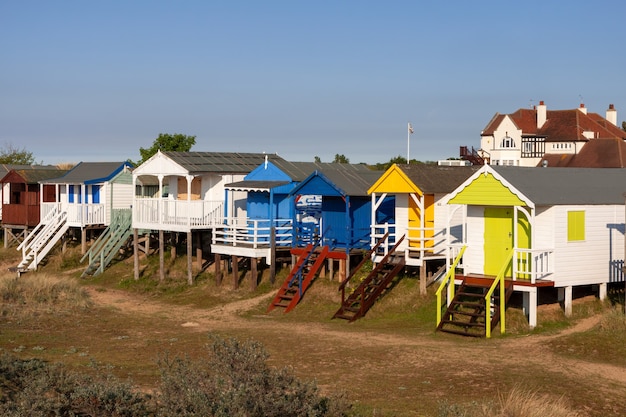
{"x":575,"y":226}
{"x":507,"y":142}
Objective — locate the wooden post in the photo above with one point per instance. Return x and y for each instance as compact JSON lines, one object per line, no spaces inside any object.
{"x":161,"y":257}
{"x":199,"y":250}
{"x":189,"y":258}
{"x":173,"y":242}
{"x":6,"y":238}
{"x":218,"y":269}
{"x":423,"y":278}
{"x":342,"y":270}
{"x":136,"y":252}
{"x":235,"y":266}
{"x":83,"y":241}
{"x":253,"y":273}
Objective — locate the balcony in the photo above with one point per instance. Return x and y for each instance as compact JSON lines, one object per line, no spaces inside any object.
{"x":176,"y":215}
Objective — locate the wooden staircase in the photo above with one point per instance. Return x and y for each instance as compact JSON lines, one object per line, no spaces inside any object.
{"x":108,"y":245}
{"x":467,"y":313}
{"x":300,"y":277}
{"x":358,"y":303}
{"x":41,"y":240}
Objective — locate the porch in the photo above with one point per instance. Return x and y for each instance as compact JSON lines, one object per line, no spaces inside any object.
{"x":78,"y":214}
{"x":176,"y":215}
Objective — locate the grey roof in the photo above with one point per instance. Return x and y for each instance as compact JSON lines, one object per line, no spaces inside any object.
{"x":35,"y":174}
{"x":89,"y":172}
{"x":432,"y":179}
{"x":564,"y":186}
{"x":299,"y":171}
{"x":352,"y":183}
{"x":251,"y":185}
{"x":223,"y":162}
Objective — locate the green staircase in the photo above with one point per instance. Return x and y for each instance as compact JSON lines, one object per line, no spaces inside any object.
{"x":300,"y":278}
{"x":108,"y":245}
{"x":358,"y":302}
{"x":467,"y":314}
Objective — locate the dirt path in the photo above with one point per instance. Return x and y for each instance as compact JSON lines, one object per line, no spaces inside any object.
{"x":529,"y":349}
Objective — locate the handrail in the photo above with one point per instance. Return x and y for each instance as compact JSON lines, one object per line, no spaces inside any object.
{"x":446,"y":281}
{"x":365,"y":259}
{"x":498,"y":281}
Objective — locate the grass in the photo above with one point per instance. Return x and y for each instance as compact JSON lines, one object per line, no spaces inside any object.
{"x":391,"y":362}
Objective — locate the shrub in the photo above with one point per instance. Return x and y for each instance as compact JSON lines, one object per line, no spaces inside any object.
{"x":35,"y":388}
{"x":235,"y":380}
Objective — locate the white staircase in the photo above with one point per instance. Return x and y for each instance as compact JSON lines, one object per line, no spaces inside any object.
{"x":42,"y":239}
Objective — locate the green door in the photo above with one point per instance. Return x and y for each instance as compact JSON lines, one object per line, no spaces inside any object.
{"x":498,"y":238}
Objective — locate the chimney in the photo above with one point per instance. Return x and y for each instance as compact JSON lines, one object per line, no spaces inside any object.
{"x":582,"y":108}
{"x":611,"y":114}
{"x":541,"y":114}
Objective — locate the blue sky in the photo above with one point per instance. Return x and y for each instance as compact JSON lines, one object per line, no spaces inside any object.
{"x":97,"y":80}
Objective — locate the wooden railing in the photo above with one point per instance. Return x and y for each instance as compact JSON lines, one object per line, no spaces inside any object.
{"x":78,"y":214}
{"x":160,"y":213}
{"x":533,"y":264}
{"x":448,"y":282}
{"x":498,"y":282}
{"x":255,"y":233}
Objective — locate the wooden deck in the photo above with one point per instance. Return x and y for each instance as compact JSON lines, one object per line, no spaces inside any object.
{"x":481,"y":279}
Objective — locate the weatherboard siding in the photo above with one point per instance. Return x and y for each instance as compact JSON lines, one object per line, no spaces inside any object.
{"x":588,"y":261}
{"x":486,"y":190}
{"x":402,"y":218}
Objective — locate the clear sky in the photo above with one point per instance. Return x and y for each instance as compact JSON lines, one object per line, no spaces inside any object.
{"x":97,"y":80}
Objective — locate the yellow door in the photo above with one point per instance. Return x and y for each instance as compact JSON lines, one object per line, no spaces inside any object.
{"x":498,"y":238}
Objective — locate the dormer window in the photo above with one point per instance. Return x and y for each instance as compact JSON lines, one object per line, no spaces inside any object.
{"x":507,"y":142}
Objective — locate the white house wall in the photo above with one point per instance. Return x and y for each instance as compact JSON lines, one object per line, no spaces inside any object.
{"x":402,"y":218}
{"x":589,"y":261}
{"x":473,"y":259}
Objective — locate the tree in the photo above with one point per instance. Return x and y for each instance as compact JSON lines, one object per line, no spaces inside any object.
{"x":341,"y":159}
{"x":624,"y":126}
{"x":167,"y":142}
{"x":9,"y":154}
{"x":318,"y":159}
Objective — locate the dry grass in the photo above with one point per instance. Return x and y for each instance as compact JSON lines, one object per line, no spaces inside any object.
{"x":35,"y":293}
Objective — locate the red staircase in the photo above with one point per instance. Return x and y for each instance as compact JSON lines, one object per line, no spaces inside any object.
{"x":300,"y":278}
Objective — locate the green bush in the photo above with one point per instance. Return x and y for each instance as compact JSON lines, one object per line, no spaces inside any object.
{"x":235,"y":380}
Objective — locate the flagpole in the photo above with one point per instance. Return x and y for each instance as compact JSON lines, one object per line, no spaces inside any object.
{"x":409,"y":130}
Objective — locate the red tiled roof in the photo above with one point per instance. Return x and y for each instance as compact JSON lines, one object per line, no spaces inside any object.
{"x":597,"y":153}
{"x":561,"y":125}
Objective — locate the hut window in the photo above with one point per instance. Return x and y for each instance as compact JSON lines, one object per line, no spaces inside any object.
{"x":575,"y":226}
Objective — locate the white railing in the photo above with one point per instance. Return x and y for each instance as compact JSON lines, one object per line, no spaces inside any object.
{"x":378,"y":232}
{"x":177,"y":213}
{"x":78,"y":214}
{"x":255,"y":233}
{"x":533,"y":264}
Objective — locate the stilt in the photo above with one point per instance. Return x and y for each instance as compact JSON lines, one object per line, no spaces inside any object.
{"x":189,"y":259}
{"x":235,"y":266}
{"x":83,"y":241}
{"x":199,"y":250}
{"x":423,"y":278}
{"x":602,"y":291}
{"x":342,"y":270}
{"x":529,"y":303}
{"x":565,"y":296}
{"x":161,"y":257}
{"x":253,"y":273}
{"x":136,"y":253}
{"x":218,"y":269}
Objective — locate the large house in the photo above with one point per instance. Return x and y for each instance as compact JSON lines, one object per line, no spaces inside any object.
{"x":542,"y":137}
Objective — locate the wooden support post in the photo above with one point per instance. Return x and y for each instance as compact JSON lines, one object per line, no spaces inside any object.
{"x":83,"y":241}
{"x":235,"y":266}
{"x":199,"y":250}
{"x":173,"y":242}
{"x":189,"y":258}
{"x":218,"y":269}
{"x":342,"y":270}
{"x":161,"y":256}
{"x":6,"y":237}
{"x":331,"y":269}
{"x":423,"y":278}
{"x":253,"y":273}
{"x":136,"y":253}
